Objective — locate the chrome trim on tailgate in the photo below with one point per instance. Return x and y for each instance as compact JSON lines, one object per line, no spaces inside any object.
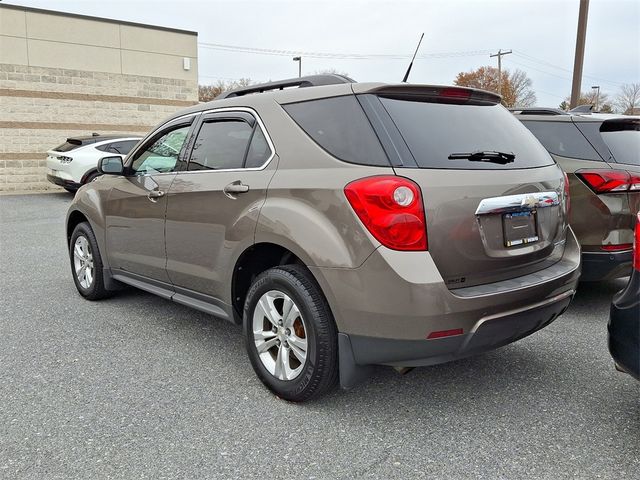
{"x":524,"y":201}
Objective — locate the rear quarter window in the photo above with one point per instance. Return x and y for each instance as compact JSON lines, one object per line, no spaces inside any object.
{"x":340,"y":127}
{"x":68,"y":146}
{"x":563,"y":139}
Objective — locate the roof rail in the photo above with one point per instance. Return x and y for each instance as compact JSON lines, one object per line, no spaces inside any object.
{"x":309,"y":81}
{"x":537,"y":111}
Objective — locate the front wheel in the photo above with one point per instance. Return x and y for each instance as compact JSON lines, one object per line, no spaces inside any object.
{"x":86,"y":263}
{"x":290,"y":334}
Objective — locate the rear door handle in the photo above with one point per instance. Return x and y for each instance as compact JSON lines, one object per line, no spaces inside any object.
{"x":153,"y":195}
{"x":234,"y":188}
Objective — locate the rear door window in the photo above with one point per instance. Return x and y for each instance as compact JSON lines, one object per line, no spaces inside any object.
{"x":220,"y":145}
{"x":563,"y":139}
{"x":434,"y":131}
{"x":340,"y":127}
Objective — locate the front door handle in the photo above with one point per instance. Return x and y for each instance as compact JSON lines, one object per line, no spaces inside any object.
{"x":154,"y":195}
{"x":234,"y":188}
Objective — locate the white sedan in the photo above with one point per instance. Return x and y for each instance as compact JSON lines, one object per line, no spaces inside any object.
{"x":75,"y":162}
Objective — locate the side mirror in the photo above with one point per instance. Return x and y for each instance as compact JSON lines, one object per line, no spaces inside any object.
{"x":111,"y":166}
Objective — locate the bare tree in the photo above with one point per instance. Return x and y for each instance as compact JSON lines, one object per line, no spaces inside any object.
{"x":207,"y":93}
{"x":589,"y":98}
{"x":516,"y":86}
{"x":628,"y":98}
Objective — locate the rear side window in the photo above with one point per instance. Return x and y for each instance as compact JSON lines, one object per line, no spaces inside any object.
{"x":259,"y":150}
{"x":220,"y":145}
{"x":339,"y":126}
{"x":434,"y":131}
{"x":564,"y":139}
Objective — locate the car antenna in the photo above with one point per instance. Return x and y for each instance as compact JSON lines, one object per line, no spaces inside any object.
{"x":406,"y":75}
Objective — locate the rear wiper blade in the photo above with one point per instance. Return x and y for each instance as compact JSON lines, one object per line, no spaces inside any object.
{"x":501,"y":158}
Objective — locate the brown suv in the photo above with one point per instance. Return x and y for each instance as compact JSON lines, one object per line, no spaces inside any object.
{"x":601,"y":155}
{"x":343,"y":224}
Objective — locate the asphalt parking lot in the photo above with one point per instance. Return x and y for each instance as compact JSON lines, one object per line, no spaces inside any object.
{"x":138,"y":387}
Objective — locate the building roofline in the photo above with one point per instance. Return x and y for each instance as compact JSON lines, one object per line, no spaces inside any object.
{"x":97,"y":19}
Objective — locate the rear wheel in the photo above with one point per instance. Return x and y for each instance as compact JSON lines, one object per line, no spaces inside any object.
{"x":290,"y":334}
{"x":86,"y":263}
{"x":91,"y":177}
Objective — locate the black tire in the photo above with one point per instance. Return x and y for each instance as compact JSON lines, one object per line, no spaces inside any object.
{"x":91,"y":177}
{"x":95,"y":290}
{"x":319,"y":373}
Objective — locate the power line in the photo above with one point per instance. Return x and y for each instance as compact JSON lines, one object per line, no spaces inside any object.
{"x":334,"y":55}
{"x":531,"y":58}
{"x":500,"y":54}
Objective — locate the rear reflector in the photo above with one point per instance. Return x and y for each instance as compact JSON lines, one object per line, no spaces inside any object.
{"x":609,"y":181}
{"x":445,"y":333}
{"x":617,"y":248}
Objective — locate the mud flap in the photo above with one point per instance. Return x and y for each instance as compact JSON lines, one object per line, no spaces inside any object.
{"x":351,"y":373}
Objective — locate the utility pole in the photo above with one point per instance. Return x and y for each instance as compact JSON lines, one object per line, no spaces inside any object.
{"x":499,"y":55}
{"x":579,"y":59}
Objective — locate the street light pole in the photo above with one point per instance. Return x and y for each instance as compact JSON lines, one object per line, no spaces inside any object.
{"x":597,"y":88}
{"x":299,"y":60}
{"x":499,"y":55}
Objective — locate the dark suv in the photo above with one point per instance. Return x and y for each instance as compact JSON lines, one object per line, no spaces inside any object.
{"x":601,"y":155}
{"x":342,"y":224}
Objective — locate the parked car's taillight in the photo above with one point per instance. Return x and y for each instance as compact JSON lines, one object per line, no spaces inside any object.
{"x":636,"y":244}
{"x":391,"y":209}
{"x":567,"y":196}
{"x":609,"y":181}
{"x":64,"y":159}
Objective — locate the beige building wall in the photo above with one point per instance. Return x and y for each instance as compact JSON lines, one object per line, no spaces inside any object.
{"x":63,"y":75}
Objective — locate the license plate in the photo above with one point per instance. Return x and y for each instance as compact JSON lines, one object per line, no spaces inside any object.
{"x":520,"y":228}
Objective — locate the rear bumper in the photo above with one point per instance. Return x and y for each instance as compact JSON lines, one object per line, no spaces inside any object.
{"x":624,"y":327}
{"x":63,"y":182}
{"x":598,"y":266}
{"x":386,"y":309}
{"x":487,"y":334}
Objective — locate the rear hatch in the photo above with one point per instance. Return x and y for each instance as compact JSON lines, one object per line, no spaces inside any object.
{"x":493,"y":196}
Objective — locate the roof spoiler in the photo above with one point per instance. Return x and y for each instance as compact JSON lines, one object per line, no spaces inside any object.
{"x":438,"y":94}
{"x":301,"y":82}
{"x":620,"y":125}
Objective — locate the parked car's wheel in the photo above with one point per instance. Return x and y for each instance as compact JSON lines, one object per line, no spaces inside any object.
{"x":86,"y":263}
{"x":290,"y":334}
{"x":91,"y":177}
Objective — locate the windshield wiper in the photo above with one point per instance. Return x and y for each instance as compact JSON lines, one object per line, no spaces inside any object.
{"x":501,"y":158}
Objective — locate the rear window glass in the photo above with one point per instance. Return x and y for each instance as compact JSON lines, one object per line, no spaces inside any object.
{"x":564,"y":139}
{"x":339,"y":126}
{"x":624,"y":145}
{"x":68,"y":146}
{"x":434,"y":131}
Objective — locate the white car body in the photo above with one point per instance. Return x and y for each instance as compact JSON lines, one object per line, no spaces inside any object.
{"x":74,"y":167}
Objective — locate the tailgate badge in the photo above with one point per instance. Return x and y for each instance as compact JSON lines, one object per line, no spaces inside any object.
{"x":529,"y":201}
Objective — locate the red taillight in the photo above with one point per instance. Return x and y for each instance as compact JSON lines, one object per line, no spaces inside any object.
{"x":618,"y":247}
{"x":391,"y":209}
{"x":636,"y":244}
{"x":609,"y":181}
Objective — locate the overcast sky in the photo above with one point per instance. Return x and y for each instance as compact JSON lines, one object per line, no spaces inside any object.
{"x":541,"y":34}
